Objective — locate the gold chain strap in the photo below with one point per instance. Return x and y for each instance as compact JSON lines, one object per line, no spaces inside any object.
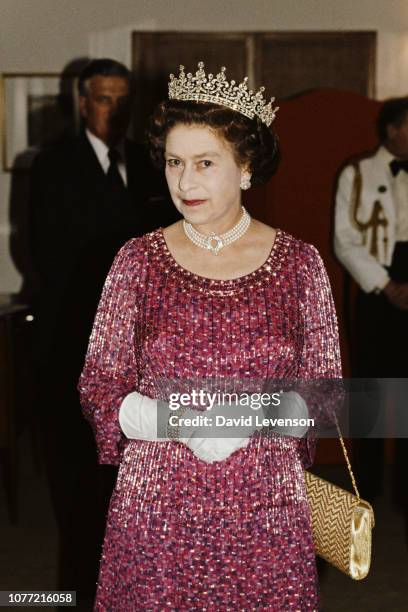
{"x":343,"y":446}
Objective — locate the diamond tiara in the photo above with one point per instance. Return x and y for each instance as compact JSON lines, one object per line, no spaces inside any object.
{"x":216,"y":89}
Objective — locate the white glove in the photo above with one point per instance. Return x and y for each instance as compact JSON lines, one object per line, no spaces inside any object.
{"x":138,"y":415}
{"x":292,"y":406}
{"x":209,"y":449}
{"x":217,"y":448}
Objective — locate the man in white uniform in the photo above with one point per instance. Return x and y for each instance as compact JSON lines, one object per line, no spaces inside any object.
{"x":371,"y":241}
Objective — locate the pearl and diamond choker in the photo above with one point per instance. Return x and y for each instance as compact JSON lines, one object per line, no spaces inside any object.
{"x":213,"y":242}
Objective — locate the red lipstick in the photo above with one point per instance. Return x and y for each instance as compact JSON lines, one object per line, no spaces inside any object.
{"x":193,"y":202}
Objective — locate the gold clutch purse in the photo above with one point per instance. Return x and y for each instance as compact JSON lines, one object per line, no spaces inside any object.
{"x":341,"y":523}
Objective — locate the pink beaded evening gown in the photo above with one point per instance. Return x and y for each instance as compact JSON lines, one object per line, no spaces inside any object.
{"x":183,"y":534}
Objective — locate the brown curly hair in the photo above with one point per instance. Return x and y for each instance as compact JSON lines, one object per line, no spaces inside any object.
{"x":253,"y":144}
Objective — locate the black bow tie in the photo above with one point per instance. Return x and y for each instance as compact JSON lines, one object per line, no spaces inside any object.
{"x":397,"y":164}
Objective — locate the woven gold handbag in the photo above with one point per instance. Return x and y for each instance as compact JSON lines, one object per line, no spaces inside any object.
{"x":341,"y":523}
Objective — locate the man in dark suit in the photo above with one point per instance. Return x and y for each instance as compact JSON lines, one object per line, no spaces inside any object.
{"x":88,"y":196}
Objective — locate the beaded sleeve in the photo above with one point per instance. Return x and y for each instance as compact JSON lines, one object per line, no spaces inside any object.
{"x":110,"y":371}
{"x":320,"y":357}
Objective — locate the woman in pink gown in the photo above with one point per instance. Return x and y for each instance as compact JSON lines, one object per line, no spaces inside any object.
{"x":184,"y":533}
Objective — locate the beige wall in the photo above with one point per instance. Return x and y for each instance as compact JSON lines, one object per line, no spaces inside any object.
{"x":43,"y":35}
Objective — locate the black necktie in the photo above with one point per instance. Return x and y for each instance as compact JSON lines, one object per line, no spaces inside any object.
{"x":398,"y":164}
{"x":113,"y":175}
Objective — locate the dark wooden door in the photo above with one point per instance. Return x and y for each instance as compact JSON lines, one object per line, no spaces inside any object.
{"x":286,"y":63}
{"x":294,"y":62}
{"x":156,"y":55}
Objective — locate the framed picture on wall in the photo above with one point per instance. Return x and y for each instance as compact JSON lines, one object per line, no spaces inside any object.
{"x":37,"y":109}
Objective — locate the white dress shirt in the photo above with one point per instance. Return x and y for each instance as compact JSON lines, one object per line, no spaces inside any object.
{"x":102,"y":151}
{"x":399,"y":189}
{"x":400,"y":193}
